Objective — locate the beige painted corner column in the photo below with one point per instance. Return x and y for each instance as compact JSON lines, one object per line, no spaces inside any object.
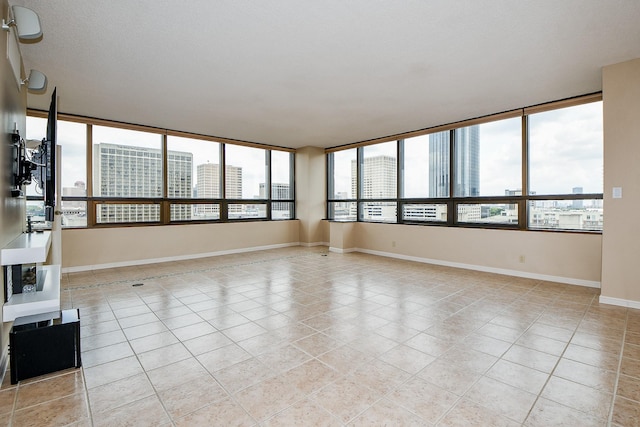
{"x":621,"y":234}
{"x":311,"y":194}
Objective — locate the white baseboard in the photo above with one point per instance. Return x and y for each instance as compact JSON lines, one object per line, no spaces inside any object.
{"x":174,"y":258}
{"x":620,"y":302}
{"x":515,"y":273}
{"x":342,"y":251}
{"x":312,"y":244}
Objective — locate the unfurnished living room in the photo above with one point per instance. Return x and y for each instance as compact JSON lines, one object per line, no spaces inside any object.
{"x":293,"y":213}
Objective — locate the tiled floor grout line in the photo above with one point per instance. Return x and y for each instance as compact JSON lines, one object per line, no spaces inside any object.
{"x":615,"y":387}
{"x":559,"y":360}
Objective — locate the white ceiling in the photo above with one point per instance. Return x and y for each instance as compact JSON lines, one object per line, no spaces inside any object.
{"x":300,"y":73}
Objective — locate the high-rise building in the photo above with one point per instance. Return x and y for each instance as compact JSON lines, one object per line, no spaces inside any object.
{"x":379,"y":177}
{"x":379,"y":181}
{"x":129,"y":171}
{"x":208,"y":187}
{"x":466,"y":163}
{"x":577,"y":204}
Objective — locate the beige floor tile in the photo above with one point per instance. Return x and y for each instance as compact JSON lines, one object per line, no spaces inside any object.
{"x":7,"y":399}
{"x":531,"y":358}
{"x":310,"y":376}
{"x":387,"y":413}
{"x":223,"y":413}
{"x":424,"y":399}
{"x":144,"y":412}
{"x":344,"y":359}
{"x":268,"y":397}
{"x":467,"y":413}
{"x":119,"y":393}
{"x":223,"y":357}
{"x":450,"y":377}
{"x":599,"y":359}
{"x":519,"y":376}
{"x":163,"y":356}
{"x":506,"y":400}
{"x":629,"y":388}
{"x":577,"y":396}
{"x":303,"y":413}
{"x":177,"y":373}
{"x":586,"y":374}
{"x":58,"y":412}
{"x":106,"y":354}
{"x":191,"y":396}
{"x":345,"y":398}
{"x":206,"y":343}
{"x":626,"y":412}
{"x":243,"y":374}
{"x":549,"y":413}
{"x":37,"y":392}
{"x":111,"y":371}
{"x":406,"y":358}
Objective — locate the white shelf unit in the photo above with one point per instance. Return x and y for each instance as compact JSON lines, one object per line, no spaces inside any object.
{"x":26,"y":249}
{"x":45,"y":302}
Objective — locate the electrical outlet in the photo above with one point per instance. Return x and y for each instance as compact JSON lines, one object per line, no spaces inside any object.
{"x":393,"y":243}
{"x":521,"y":259}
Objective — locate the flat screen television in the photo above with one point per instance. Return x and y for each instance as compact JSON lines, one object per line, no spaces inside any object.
{"x":44,"y":162}
{"x":48,"y":148}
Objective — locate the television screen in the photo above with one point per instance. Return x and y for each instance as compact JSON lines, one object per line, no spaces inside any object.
{"x":49,"y":145}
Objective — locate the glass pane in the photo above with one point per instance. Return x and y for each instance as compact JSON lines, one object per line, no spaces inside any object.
{"x":74,"y":213}
{"x":245,"y":171}
{"x":280,"y":176}
{"x":565,"y":150}
{"x":467,"y":162}
{"x":35,"y":210}
{"x":127,"y":163}
{"x":127,"y":212}
{"x":195,"y":212}
{"x":379,"y":211}
{"x":248,"y":210}
{"x":439,"y":158}
{"x":416,"y":164}
{"x":343,"y":211}
{"x":489,"y":158}
{"x":425,"y":212}
{"x":36,"y":130}
{"x":488,"y":213}
{"x":343,"y":183}
{"x":566,"y":214}
{"x":281,"y":210}
{"x":193,"y":168}
{"x":379,"y":171}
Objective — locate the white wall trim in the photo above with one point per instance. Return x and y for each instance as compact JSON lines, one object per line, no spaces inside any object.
{"x":516,"y":273}
{"x":342,"y":251}
{"x":174,"y":258}
{"x":312,"y":244}
{"x":620,"y":302}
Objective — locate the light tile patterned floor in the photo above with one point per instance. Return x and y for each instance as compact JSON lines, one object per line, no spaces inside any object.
{"x":302,"y":337}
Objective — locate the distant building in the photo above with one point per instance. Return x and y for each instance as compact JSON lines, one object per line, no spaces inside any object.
{"x":208,"y":187}
{"x":129,"y":171}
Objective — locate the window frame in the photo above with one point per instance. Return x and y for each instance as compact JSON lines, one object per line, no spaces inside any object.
{"x":92,"y":202}
{"x":521,"y":202}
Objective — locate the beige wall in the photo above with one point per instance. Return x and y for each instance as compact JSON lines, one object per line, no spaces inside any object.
{"x":12,"y":210}
{"x":621,"y":236}
{"x":84,"y":249}
{"x":311,"y":194}
{"x":565,"y":257}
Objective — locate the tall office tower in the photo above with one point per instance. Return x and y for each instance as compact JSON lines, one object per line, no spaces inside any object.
{"x":379,"y":177}
{"x":439,"y":164}
{"x":128,"y":171}
{"x":466,"y":163}
{"x":208,"y":187}
{"x":379,"y":181}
